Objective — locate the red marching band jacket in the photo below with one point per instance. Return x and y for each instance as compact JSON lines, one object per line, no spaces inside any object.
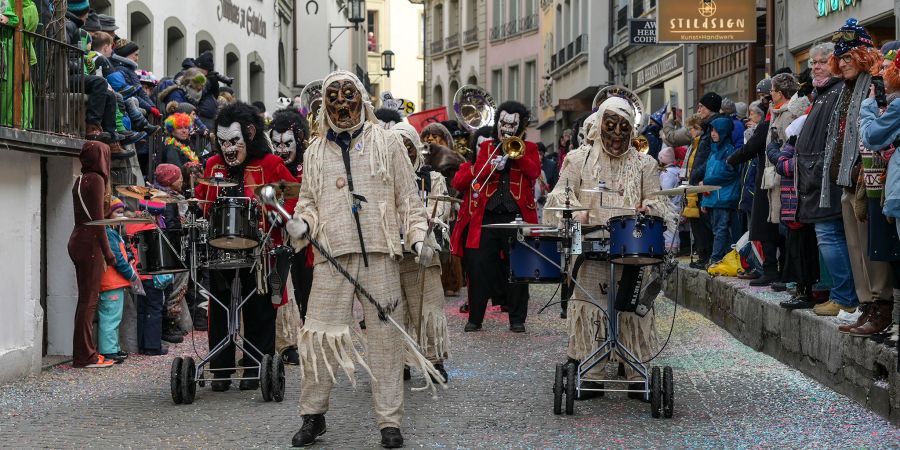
{"x":265,"y":170}
{"x":522,"y":174}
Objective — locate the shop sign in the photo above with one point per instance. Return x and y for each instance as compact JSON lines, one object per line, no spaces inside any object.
{"x":642,"y":31}
{"x":246,"y":18}
{"x":574,"y":104}
{"x":660,"y":69}
{"x":826,"y":7}
{"x":706,"y":21}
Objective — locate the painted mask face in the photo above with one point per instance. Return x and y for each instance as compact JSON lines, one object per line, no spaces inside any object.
{"x":285,"y":145}
{"x":615,"y":134}
{"x":231,"y":141}
{"x":343,"y":104}
{"x":435,"y":139}
{"x":508,"y":125}
{"x":410,"y":149}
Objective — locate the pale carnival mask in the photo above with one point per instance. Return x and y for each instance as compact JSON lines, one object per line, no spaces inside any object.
{"x":231,"y":141}
{"x":508,"y":124}
{"x":285,"y":145}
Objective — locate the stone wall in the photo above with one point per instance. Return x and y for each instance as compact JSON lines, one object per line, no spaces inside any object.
{"x":856,"y":367}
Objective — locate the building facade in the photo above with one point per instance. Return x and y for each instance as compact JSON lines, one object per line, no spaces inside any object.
{"x":456,"y":48}
{"x":326,"y":40}
{"x":396,"y":26}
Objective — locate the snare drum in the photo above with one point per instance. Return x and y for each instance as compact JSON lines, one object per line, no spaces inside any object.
{"x":234,"y":223}
{"x":155,"y":256}
{"x":636,"y":240}
{"x":527,"y":266}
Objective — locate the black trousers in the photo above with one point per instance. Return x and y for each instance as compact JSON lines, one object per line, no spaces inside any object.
{"x":774,"y":253}
{"x":101,"y":102}
{"x":702,"y":237}
{"x":258,"y":317}
{"x":302,"y":277}
{"x":488,"y":274}
{"x":801,"y":258}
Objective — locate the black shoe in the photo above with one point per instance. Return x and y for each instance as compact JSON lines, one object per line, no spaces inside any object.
{"x":123,"y":136}
{"x":472,"y":327}
{"x":391,"y":438}
{"x":173,"y":336}
{"x":590,"y":394}
{"x":200,"y":323}
{"x":249,"y":385}
{"x":313,"y":427}
{"x":115,"y":357}
{"x":134,"y":138}
{"x":464,"y":308}
{"x":637,"y":395}
{"x":291,"y":357}
{"x":440,"y":368}
{"x":220,"y":385}
{"x":778,"y":286}
{"x":103,"y":137}
{"x":563,"y":314}
{"x":151,"y":129}
{"x":362,"y":324}
{"x":122,"y":354}
{"x":406,"y":374}
{"x":764,"y":280}
{"x":798,"y":302}
{"x":699,"y":265}
{"x":517,"y":327}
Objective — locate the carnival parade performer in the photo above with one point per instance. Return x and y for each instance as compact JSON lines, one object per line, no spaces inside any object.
{"x":357,"y":185}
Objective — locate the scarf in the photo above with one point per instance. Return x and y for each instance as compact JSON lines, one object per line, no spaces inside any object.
{"x":850,"y":143}
{"x":183,"y":148}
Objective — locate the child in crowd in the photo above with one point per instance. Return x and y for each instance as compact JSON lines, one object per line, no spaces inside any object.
{"x":112,"y":290}
{"x":669,"y":178}
{"x":150,"y":305}
{"x":721,"y":205}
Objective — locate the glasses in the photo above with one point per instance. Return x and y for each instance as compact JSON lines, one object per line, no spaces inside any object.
{"x":843,"y":36}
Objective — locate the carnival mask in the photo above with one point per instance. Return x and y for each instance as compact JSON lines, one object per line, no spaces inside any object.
{"x":435,"y":139}
{"x":508,"y":125}
{"x":231,"y":141}
{"x":615,"y":133}
{"x":285,"y":145}
{"x":343,"y":103}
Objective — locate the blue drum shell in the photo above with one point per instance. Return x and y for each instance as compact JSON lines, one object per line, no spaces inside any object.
{"x":638,"y":247}
{"x":526,"y":266}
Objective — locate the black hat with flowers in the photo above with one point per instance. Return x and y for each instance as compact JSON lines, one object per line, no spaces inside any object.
{"x":851,"y":36}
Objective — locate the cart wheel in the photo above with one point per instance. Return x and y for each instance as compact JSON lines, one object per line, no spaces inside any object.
{"x":668,"y":389}
{"x":265,"y":381}
{"x":655,"y":392}
{"x":571,"y":384}
{"x":175,"y":380}
{"x":188,"y":386}
{"x":558,"y":388}
{"x":276,"y":376}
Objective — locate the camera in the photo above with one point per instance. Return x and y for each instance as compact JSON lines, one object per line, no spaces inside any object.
{"x":221,"y":78}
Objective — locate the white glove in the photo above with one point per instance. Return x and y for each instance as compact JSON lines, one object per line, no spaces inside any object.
{"x":425,"y":254}
{"x":297,"y":228}
{"x":500,"y":162}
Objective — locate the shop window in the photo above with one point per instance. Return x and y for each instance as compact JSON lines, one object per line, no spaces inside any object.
{"x":512,"y":92}
{"x":372,"y":30}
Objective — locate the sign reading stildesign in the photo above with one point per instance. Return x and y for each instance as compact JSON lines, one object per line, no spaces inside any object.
{"x":700,"y":21}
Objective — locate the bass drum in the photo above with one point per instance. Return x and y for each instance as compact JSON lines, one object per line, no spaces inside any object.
{"x":155,"y":256}
{"x":234,"y":224}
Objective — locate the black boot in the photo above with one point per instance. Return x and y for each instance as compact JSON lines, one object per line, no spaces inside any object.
{"x":590,"y":394}
{"x":440,"y":368}
{"x":249,"y":385}
{"x":290,"y":356}
{"x":313,"y":427}
{"x":171,"y":332}
{"x":391,"y":437}
{"x":220,"y":385}
{"x":406,"y":374}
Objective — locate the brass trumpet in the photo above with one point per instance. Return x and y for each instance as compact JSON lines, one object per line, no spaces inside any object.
{"x":513,"y":147}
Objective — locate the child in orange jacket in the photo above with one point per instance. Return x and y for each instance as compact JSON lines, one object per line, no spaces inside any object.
{"x":112,"y":290}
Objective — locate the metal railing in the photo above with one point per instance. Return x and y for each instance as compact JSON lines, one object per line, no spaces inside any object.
{"x":49,"y":99}
{"x":498,"y":32}
{"x":529,"y":23}
{"x":470,"y":35}
{"x":437,"y":46}
{"x":561,"y":57}
{"x":452,"y":42}
{"x":581,"y":44}
{"x":512,"y":27}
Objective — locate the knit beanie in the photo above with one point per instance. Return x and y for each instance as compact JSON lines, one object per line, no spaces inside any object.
{"x":115,"y":204}
{"x":204,"y":61}
{"x":667,"y":156}
{"x":764,"y":86}
{"x":79,"y":6}
{"x":166,"y":174}
{"x":127,"y":49}
{"x":851,"y":36}
{"x":712,"y":101}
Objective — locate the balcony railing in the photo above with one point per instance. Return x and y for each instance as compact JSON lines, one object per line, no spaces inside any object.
{"x":512,"y":27}
{"x":50,"y":99}
{"x":470,"y":36}
{"x":561,"y":57}
{"x":437,"y":46}
{"x":569,"y":52}
{"x":581,"y":44}
{"x":529,"y":23}
{"x":453,"y":42}
{"x":498,"y":32}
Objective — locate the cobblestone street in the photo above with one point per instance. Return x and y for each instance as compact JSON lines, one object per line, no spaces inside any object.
{"x":499,"y":396}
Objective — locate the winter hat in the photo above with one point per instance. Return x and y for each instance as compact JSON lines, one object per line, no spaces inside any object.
{"x":659,"y":114}
{"x":126,"y":49}
{"x":107,"y":23}
{"x":205,"y":61}
{"x":147,"y":77}
{"x":712,"y":101}
{"x":667,"y":156}
{"x":851,"y":36}
{"x":185,"y":108}
{"x":79,"y":6}
{"x":740,"y":109}
{"x":92,"y":23}
{"x":115,"y":204}
{"x":166,"y":174}
{"x":764,"y":86}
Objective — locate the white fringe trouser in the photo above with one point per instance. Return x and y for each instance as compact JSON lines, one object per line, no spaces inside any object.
{"x":429,"y":308}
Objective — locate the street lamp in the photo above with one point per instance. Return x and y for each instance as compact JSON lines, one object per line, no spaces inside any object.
{"x":355,"y":14}
{"x":387,"y":62}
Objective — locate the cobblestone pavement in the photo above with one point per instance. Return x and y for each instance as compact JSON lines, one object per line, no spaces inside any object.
{"x":499,"y":396}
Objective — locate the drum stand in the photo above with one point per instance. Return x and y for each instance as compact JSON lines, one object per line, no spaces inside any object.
{"x":185,"y":374}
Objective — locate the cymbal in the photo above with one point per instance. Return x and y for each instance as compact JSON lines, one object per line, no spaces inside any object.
{"x":602,"y":189}
{"x":516,"y":224}
{"x":194,"y":201}
{"x":217,"y":181}
{"x":144,"y":193}
{"x":566,"y":208}
{"x":685,"y":189}
{"x":286,"y":189}
{"x":121,"y":221}
{"x":444,"y":198}
{"x":618,"y":208}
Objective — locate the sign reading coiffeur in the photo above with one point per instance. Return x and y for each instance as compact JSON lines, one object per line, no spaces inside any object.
{"x":706,"y":21}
